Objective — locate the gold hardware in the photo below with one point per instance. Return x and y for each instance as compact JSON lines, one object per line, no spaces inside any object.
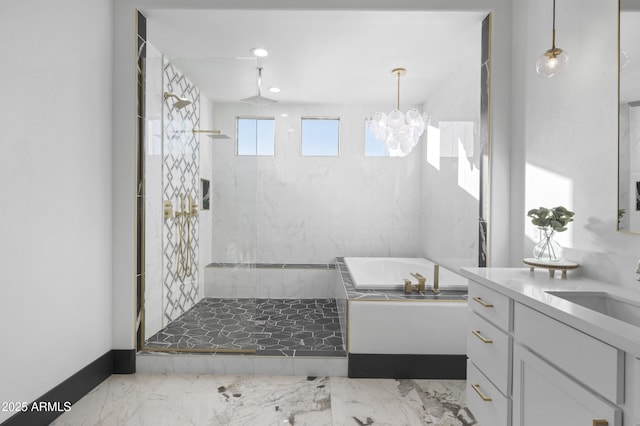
{"x":193,"y":207}
{"x":214,"y":132}
{"x":399,"y":72}
{"x":482,"y":302}
{"x":482,"y":395}
{"x":481,"y":337}
{"x":168,"y":209}
{"x":600,"y":423}
{"x":436,"y":278}
{"x":422,"y":281}
{"x":407,"y":286}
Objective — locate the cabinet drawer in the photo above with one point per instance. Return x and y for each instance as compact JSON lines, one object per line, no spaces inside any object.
{"x":590,"y":361}
{"x":486,"y":403}
{"x":491,"y":305}
{"x":489,"y":348}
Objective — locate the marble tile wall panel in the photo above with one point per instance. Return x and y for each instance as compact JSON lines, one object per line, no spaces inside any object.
{"x":309,"y":209}
{"x":265,"y":280}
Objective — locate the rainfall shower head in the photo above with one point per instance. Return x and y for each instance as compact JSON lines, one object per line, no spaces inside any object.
{"x":180,"y":102}
{"x":259,"y":100}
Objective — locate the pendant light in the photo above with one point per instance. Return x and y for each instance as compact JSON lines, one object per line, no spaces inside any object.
{"x":398,"y":132}
{"x":555,"y":60}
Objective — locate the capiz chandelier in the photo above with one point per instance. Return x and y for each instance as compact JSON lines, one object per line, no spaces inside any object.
{"x":398,"y":132}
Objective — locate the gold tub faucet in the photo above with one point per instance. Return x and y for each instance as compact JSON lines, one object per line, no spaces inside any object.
{"x":436,"y":278}
{"x":422,"y":281}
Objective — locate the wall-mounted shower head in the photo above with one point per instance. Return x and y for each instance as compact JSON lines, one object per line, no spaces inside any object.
{"x":213,"y":134}
{"x":180,"y":102}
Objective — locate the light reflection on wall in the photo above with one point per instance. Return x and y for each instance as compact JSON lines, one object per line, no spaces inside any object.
{"x":433,"y":146}
{"x":547,"y":189}
{"x":468,"y":173}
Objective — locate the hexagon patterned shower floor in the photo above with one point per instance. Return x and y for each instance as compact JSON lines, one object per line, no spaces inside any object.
{"x":301,"y":327}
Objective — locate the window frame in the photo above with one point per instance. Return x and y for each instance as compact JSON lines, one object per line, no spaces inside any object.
{"x":325,"y":118}
{"x":255,"y":118}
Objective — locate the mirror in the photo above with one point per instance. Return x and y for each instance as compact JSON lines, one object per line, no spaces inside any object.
{"x":629,"y":118}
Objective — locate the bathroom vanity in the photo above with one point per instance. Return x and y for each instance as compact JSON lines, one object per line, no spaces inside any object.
{"x":550,"y":351}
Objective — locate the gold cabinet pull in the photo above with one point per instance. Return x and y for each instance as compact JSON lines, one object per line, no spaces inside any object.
{"x":482,"y":302}
{"x":600,"y":423}
{"x":480,"y":336}
{"x":483,"y":396}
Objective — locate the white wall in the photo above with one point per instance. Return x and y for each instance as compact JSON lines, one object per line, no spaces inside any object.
{"x":292,"y":209}
{"x":565,"y":135}
{"x":55,"y":181}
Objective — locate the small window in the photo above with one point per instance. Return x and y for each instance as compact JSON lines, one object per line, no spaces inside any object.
{"x":320,"y":137}
{"x":256,"y":136}
{"x":372,"y":146}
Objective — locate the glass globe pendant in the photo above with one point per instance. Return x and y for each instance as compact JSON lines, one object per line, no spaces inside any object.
{"x":555,"y":60}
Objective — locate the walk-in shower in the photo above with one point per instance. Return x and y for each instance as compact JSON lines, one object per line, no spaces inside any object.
{"x":260,"y":275}
{"x":188,"y":305}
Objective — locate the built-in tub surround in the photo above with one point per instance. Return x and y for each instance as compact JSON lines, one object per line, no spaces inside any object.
{"x":389,"y":273}
{"x":394,"y":334}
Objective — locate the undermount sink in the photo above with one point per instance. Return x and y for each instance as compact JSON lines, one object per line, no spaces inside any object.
{"x":613,"y":306}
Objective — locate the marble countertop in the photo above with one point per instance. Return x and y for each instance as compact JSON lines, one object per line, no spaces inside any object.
{"x":529,"y":288}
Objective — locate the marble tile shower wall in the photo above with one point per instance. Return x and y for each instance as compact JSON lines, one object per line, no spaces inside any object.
{"x":180,"y":177}
{"x":292,"y":209}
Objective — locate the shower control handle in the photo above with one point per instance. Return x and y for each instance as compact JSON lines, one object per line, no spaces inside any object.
{"x":193,"y":207}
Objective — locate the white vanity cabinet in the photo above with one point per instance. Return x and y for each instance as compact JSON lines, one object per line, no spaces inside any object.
{"x":562,"y":376}
{"x":526,"y":368}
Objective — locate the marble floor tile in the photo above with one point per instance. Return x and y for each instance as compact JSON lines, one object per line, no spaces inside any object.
{"x":182,"y":399}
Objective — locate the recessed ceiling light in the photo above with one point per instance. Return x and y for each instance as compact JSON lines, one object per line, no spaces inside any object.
{"x":260,"y":52}
{"x":274,"y":89}
{"x":284,"y":114}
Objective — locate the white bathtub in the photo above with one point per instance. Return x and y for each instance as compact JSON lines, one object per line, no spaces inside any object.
{"x":389,"y":273}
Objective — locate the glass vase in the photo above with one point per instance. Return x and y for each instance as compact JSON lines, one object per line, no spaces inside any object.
{"x":547,"y":249}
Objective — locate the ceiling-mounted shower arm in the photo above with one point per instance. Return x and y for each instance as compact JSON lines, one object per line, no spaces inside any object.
{"x":259,"y":80}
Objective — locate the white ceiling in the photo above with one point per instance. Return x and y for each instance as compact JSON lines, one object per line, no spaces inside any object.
{"x":338,"y":57}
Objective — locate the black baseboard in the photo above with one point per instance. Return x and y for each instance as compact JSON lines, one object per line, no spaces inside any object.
{"x":124,"y":361}
{"x":52,"y":404}
{"x":391,"y":366}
